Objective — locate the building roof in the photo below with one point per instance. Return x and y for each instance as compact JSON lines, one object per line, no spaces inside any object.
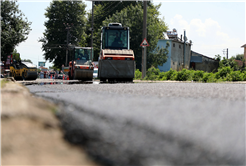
{"x":177,"y":41}
{"x":244,"y":45}
{"x":203,"y":55}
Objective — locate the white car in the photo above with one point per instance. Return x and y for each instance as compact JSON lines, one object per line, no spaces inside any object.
{"x":95,"y":72}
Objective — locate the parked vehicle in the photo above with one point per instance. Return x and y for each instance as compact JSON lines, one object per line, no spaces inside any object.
{"x":95,"y":73}
{"x":60,"y":76}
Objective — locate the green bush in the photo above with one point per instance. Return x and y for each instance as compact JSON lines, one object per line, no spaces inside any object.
{"x":138,"y":75}
{"x":191,"y":74}
{"x":237,"y":76}
{"x":162,"y":76}
{"x":170,"y":73}
{"x":222,"y":72}
{"x":174,"y":75}
{"x":209,"y":77}
{"x":244,"y":76}
{"x":198,"y":75}
{"x":152,"y":73}
{"x":183,"y":75}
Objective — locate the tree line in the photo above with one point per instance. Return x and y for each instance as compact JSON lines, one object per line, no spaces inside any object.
{"x":64,"y":16}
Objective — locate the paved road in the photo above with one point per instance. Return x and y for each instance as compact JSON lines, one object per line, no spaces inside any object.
{"x":154,"y":123}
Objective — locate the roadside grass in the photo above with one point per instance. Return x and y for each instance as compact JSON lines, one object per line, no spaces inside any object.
{"x":3,"y":82}
{"x":224,"y":74}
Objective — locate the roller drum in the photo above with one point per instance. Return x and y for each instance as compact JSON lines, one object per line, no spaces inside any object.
{"x":83,"y":74}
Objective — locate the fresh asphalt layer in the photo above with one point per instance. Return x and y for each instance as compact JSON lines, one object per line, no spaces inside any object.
{"x":154,"y":123}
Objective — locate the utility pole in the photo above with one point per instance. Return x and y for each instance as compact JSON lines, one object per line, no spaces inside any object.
{"x":227,"y":53}
{"x":68,"y":28}
{"x":92,"y":21}
{"x":184,"y":48}
{"x":144,"y":36}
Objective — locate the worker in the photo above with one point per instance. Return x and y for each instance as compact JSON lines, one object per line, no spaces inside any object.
{"x":86,"y":55}
{"x":117,"y":41}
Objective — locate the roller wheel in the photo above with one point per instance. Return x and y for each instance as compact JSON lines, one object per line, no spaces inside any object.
{"x":24,"y":75}
{"x":13,"y":74}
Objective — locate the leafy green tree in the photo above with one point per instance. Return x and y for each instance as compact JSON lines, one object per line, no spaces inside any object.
{"x":239,"y":57}
{"x":132,"y":17}
{"x":157,"y":57}
{"x":15,"y":28}
{"x":228,"y":63}
{"x":16,"y":55}
{"x":63,"y":16}
{"x":26,"y":60}
{"x":218,"y":57}
{"x":102,"y":10}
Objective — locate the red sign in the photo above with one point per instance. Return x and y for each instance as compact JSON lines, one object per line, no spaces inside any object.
{"x":144,"y":43}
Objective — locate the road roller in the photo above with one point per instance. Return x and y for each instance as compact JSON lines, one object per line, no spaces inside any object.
{"x":81,"y":67}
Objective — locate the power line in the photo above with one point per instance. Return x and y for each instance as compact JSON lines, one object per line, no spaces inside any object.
{"x":96,"y":19}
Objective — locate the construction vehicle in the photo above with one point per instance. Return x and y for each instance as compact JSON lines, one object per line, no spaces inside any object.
{"x":23,"y":70}
{"x":81,"y":67}
{"x":116,"y":59}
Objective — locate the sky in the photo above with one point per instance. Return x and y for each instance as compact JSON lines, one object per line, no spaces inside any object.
{"x":212,"y":26}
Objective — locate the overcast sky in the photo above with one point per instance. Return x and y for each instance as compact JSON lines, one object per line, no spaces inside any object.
{"x":211,"y":25}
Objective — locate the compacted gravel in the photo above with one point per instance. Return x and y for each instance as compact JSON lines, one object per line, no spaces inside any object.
{"x":154,"y":123}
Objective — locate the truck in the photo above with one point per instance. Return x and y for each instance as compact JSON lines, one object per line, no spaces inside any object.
{"x":23,"y":70}
{"x":81,"y":66}
{"x":116,"y":60}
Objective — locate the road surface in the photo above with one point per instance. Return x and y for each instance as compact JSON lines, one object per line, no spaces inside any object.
{"x":153,"y":123}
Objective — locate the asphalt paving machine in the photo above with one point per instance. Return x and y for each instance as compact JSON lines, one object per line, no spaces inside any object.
{"x":81,"y":67}
{"x":116,"y":59}
{"x":23,"y":70}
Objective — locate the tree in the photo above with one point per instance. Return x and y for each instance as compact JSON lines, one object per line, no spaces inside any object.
{"x":102,"y":10}
{"x":217,"y":57}
{"x":157,"y":57}
{"x":26,"y":60}
{"x":228,"y":63}
{"x":63,"y":16}
{"x":132,"y":17}
{"x":15,"y":28}
{"x":239,"y":57}
{"x":16,"y":55}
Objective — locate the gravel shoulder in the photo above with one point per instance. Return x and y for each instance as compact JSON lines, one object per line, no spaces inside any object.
{"x":31,"y":133}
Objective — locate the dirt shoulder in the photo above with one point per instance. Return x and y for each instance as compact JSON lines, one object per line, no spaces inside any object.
{"x":30,"y":132}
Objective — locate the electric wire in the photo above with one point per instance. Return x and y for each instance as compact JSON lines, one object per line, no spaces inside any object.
{"x":96,"y":19}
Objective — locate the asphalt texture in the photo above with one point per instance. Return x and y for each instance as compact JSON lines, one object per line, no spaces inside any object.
{"x":154,"y":123}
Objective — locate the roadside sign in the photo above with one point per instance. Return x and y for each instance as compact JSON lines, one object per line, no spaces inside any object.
{"x":42,"y":64}
{"x":144,"y":43}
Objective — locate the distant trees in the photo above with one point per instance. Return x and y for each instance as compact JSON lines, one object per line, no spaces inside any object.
{"x":129,"y":13}
{"x":239,"y":57}
{"x":157,"y":57}
{"x":218,"y":57}
{"x":15,"y":28}
{"x":63,"y":15}
{"x":26,"y":60}
{"x":16,"y":55}
{"x":132,"y":16}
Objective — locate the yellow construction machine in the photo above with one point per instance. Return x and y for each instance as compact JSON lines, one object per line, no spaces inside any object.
{"x":23,"y":71}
